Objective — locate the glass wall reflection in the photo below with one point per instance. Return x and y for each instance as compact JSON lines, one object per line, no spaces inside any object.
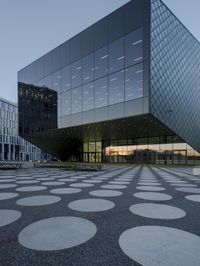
{"x":160,"y":153}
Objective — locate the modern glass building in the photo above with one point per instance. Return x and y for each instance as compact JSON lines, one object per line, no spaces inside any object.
{"x":13,"y":147}
{"x":126,"y":89}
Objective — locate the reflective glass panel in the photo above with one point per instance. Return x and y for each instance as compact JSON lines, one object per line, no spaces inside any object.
{"x":116,"y":55}
{"x":134,"y":82}
{"x":101,"y":62}
{"x":76,"y":73}
{"x":116,"y":87}
{"x":76,"y":100}
{"x":59,"y":105}
{"x":66,"y":103}
{"x":66,"y":78}
{"x":134,"y":47}
{"x":56,"y":81}
{"x":101,"y":92}
{"x":88,"y":96}
{"x":88,"y":68}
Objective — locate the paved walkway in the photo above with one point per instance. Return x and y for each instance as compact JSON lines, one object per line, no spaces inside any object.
{"x":119,"y":216}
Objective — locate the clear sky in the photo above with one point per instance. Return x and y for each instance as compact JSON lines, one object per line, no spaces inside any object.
{"x":31,"y":28}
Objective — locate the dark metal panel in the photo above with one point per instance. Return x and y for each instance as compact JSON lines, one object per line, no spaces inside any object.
{"x":101,"y":114}
{"x":116,"y":111}
{"x":134,"y":107}
{"x":75,"y":48}
{"x":101,"y":33}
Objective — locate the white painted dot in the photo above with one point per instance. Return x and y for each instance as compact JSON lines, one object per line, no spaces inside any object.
{"x":119,"y":182}
{"x":6,"y":180}
{"x":30,"y":188}
{"x":91,"y":205}
{"x":100,"y":178}
{"x":65,"y":190}
{"x":81,"y":185}
{"x":105,"y":193}
{"x":38,"y":200}
{"x":2,"y":186}
{"x":9,"y":216}
{"x":8,"y":195}
{"x":27,"y":182}
{"x":53,"y":183}
{"x":150,"y":188}
{"x":92,"y":181}
{"x":149,"y":184}
{"x":188,"y":190}
{"x":152,"y":196}
{"x":57,"y":233}
{"x":159,"y":245}
{"x":195,"y":198}
{"x":114,"y":186}
{"x":183,"y":185}
{"x":45,"y":179}
{"x":157,"y":211}
{"x":67,"y":180}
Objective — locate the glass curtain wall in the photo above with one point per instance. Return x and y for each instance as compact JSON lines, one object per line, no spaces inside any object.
{"x":150,"y":151}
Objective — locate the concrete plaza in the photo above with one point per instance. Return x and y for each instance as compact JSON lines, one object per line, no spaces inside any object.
{"x":139,"y":215}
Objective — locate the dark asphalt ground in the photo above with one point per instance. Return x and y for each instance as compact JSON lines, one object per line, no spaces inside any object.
{"x":103,"y":248}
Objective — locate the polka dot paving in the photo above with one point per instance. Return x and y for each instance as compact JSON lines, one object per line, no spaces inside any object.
{"x":92,"y":218}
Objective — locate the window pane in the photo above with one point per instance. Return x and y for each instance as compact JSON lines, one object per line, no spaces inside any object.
{"x":134,"y":82}
{"x":76,"y":73}
{"x":76,"y":100}
{"x":88,"y":68}
{"x":66,"y":78}
{"x":56,"y":81}
{"x":134,"y":47}
{"x":101,"y":92}
{"x":101,"y":62}
{"x":88,"y":96}
{"x":116,"y":55}
{"x":116,"y":87}
{"x":59,"y":105}
{"x":66,"y":103}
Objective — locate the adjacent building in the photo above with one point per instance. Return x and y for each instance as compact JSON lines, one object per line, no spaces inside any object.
{"x":126,"y":89}
{"x":13,"y":147}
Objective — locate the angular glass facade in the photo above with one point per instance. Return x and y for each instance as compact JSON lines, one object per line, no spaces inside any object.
{"x":123,"y":90}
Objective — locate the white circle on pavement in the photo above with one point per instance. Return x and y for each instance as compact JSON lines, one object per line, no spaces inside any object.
{"x":157,"y":211}
{"x":31,"y":188}
{"x":9,"y":216}
{"x":65,"y":190}
{"x":45,"y":178}
{"x":92,"y":181}
{"x":6,"y":180}
{"x":183,"y":185}
{"x":57,"y":233}
{"x":149,"y":184}
{"x":38,"y":200}
{"x":53,"y":183}
{"x":67,"y":180}
{"x":195,"y":198}
{"x":91,"y":205}
{"x":188,"y":190}
{"x":2,"y":186}
{"x":114,"y":186}
{"x":150,"y":188}
{"x":27,"y":182}
{"x":159,"y":245}
{"x":119,"y":182}
{"x":8,"y":195}
{"x":105,"y":193}
{"x":81,"y":185}
{"x":152,"y":196}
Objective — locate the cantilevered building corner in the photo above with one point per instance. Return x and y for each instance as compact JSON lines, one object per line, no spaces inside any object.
{"x":126,"y":89}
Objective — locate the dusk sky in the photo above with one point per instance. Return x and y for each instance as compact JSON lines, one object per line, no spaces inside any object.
{"x":31,"y":28}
